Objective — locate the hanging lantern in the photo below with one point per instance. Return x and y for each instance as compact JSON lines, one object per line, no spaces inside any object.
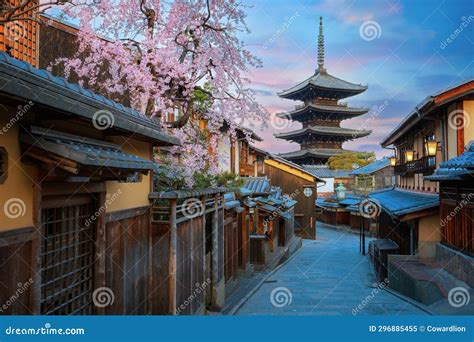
{"x":431,"y":147}
{"x":393,"y":161}
{"x":409,"y":155}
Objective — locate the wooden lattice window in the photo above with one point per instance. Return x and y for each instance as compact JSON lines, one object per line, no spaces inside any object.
{"x":19,"y":37}
{"x":3,"y":165}
{"x":67,"y":256}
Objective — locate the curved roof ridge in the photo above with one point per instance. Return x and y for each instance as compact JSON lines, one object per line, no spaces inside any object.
{"x":324,"y":80}
{"x":324,"y":130}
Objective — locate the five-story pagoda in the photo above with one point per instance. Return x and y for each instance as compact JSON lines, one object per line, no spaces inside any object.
{"x":321,"y":114}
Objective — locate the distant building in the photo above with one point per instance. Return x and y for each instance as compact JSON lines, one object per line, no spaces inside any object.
{"x":332,"y":179}
{"x":321,"y":114}
{"x":376,"y":175}
{"x":234,"y":153}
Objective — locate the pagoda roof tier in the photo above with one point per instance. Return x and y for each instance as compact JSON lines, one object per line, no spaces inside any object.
{"x":324,"y":130}
{"x":323,"y":85}
{"x":304,"y":113}
{"x":312,"y":153}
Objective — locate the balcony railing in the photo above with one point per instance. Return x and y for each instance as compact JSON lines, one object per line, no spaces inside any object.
{"x":424,"y":165}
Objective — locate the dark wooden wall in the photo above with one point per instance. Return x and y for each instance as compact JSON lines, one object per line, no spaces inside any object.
{"x":335,"y":218}
{"x":159,"y":283}
{"x":127,"y":260}
{"x":356,"y":221}
{"x":399,"y":232}
{"x":191,"y":284}
{"x":457,"y":212}
{"x":305,"y":209}
{"x":190,"y":266}
{"x":231,"y":245}
{"x":257,"y":250}
{"x":16,"y":272}
{"x":60,"y":41}
{"x":244,"y":225}
{"x":381,"y":177}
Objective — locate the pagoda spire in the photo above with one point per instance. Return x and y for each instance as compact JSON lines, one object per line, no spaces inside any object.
{"x":321,"y":47}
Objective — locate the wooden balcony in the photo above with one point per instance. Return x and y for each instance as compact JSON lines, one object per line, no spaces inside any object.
{"x":425,"y":165}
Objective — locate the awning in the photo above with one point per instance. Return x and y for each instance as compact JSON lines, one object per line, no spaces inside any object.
{"x":74,"y":153}
{"x":458,"y":168}
{"x":398,"y":202}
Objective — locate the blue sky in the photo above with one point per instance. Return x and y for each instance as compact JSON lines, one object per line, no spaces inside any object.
{"x":408,"y":59}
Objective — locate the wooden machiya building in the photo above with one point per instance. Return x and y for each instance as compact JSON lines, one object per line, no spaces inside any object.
{"x":299,"y":183}
{"x":321,"y":113}
{"x":429,"y":212}
{"x":433,"y":133}
{"x":271,"y":236}
{"x":74,"y":194}
{"x":456,"y":193}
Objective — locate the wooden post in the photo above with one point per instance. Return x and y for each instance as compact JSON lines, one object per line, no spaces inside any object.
{"x":203,"y":246}
{"x":100,"y":247}
{"x":172,"y":258}
{"x":36,"y":249}
{"x":215,"y":250}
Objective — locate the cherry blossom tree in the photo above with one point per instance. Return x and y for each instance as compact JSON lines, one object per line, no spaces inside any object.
{"x":182,"y":56}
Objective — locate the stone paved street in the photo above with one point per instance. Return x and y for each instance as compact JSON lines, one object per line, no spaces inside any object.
{"x":327,"y":277}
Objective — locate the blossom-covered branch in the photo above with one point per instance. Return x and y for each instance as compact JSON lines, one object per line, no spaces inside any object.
{"x":159,"y":54}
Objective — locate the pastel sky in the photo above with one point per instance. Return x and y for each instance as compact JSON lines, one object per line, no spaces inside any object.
{"x":408,"y":59}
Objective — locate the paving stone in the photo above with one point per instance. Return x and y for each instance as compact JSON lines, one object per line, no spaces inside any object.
{"x":327,"y":277}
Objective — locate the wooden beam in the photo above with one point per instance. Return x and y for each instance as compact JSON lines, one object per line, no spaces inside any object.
{"x":172,"y":259}
{"x":15,"y":236}
{"x":454,"y":92}
{"x":51,"y":189}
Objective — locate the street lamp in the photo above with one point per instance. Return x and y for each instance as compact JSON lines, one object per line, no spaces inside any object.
{"x":431,"y":147}
{"x":340,"y":192}
{"x":409,"y":155}
{"x":393,"y":161}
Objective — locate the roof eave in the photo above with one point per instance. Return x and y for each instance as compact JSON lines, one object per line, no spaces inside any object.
{"x":20,"y":83}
